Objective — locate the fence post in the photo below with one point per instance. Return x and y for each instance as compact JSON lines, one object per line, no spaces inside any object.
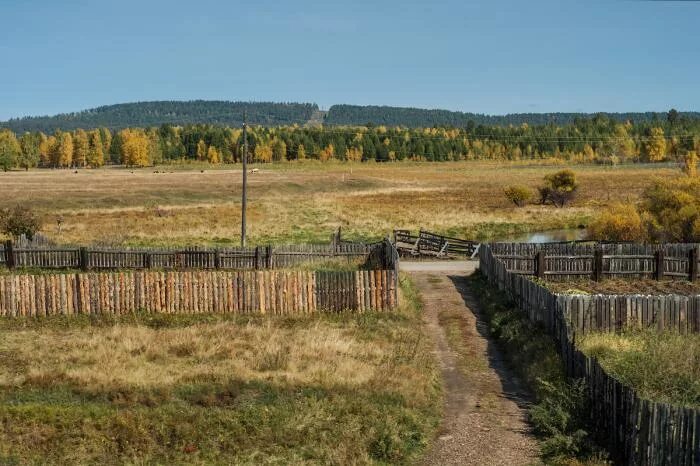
{"x":217,"y":258}
{"x":9,"y":255}
{"x":597,"y":264}
{"x":540,"y":265}
{"x":83,"y":259}
{"x":147,"y":260}
{"x":268,"y":257}
{"x":659,"y":264}
{"x":257,"y":257}
{"x":693,"y":264}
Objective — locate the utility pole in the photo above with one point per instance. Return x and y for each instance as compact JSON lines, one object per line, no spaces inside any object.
{"x":245,"y":177}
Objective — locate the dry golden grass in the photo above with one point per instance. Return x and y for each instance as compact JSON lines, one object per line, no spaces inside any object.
{"x":306,"y":202}
{"x":155,"y":389}
{"x":99,"y":358}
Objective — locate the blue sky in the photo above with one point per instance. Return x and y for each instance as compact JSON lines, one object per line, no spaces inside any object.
{"x":488,"y":57}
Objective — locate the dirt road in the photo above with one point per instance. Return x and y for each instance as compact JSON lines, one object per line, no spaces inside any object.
{"x":484,"y":421}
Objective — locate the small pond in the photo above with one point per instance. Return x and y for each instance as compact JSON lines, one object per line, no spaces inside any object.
{"x":569,"y":234}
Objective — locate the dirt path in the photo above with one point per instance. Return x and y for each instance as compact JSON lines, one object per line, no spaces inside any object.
{"x":484,"y":421}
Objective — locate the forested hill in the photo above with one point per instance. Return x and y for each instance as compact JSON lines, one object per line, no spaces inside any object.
{"x":422,"y":118}
{"x":269,"y":114}
{"x":146,"y":114}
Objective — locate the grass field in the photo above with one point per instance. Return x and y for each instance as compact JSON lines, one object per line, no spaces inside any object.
{"x":331,"y":389}
{"x":659,"y":366}
{"x":189,"y":204}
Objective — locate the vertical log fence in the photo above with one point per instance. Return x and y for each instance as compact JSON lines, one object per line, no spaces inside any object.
{"x":636,"y":430}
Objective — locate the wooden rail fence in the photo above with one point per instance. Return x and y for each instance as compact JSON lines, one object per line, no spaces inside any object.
{"x":432,"y":244}
{"x":268,"y":292}
{"x":255,"y":258}
{"x":597,"y":261}
{"x":636,"y":431}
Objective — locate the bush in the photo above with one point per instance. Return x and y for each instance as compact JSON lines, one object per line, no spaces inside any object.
{"x":619,"y":223}
{"x":518,"y":195}
{"x":559,"y":188}
{"x":673,"y":210}
{"x":19,"y":220}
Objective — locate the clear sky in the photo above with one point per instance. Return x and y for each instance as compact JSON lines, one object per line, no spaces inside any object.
{"x":487,"y":57}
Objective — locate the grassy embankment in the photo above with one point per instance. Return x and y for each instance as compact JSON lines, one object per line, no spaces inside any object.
{"x":305,"y":202}
{"x":559,"y":408}
{"x":332,"y":388}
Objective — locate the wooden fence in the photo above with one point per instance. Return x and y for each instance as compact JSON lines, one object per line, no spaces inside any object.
{"x":578,"y":260}
{"x":255,"y":258}
{"x":268,"y":292}
{"x":636,"y":431}
{"x":433,"y":244}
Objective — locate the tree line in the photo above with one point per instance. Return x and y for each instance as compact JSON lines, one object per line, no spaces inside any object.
{"x":598,"y":139}
{"x":419,"y":117}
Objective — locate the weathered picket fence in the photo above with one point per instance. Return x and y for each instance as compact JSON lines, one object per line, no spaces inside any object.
{"x":254,"y":258}
{"x":564,"y":261}
{"x":636,"y":431}
{"x":267,"y":292}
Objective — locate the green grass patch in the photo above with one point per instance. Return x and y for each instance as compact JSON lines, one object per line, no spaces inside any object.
{"x":663,"y":367}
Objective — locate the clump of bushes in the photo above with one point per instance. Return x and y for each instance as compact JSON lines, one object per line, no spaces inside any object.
{"x":619,"y":223}
{"x":559,"y":188}
{"x":19,"y":220}
{"x":669,"y":211}
{"x":518,"y":195}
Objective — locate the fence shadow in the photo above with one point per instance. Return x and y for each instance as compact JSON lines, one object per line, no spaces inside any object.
{"x":511,"y":386}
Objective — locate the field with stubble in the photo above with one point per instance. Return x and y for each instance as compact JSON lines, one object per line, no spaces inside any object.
{"x":192,"y":204}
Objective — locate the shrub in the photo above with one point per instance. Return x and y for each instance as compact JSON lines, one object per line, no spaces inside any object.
{"x":690,"y":163}
{"x":518,"y":195}
{"x":619,"y":223}
{"x":673,"y":210}
{"x":559,"y":188}
{"x":19,"y":220}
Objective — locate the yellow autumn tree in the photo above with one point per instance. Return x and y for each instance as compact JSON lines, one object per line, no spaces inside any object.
{"x":690,"y":165}
{"x":354,"y":154}
{"x":45,"y":147}
{"x":201,"y":150}
{"x":106,"y":137}
{"x":62,"y":150}
{"x":588,"y":153}
{"x":263,"y":152}
{"x":655,"y":145}
{"x":327,"y":153}
{"x":301,"y":152}
{"x":213,"y":155}
{"x":81,"y":148}
{"x":96,"y":157}
{"x":279,"y":150}
{"x":134,"y":148}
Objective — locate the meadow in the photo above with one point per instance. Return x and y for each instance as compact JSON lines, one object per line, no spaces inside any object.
{"x":185,"y":204}
{"x":166,"y":389}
